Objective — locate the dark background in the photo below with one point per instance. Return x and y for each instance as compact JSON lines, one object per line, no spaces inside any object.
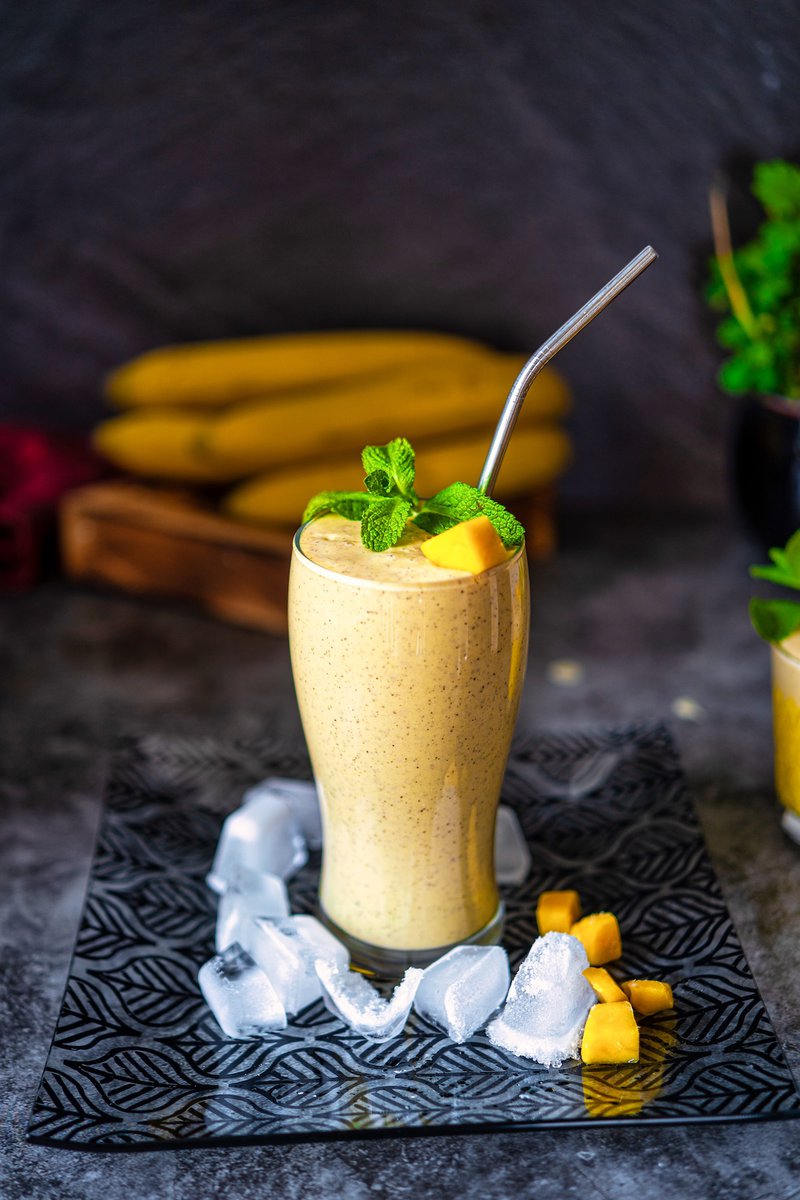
{"x":182,"y":171}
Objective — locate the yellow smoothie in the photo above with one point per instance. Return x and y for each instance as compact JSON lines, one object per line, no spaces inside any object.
{"x":408,"y":679}
{"x":786,"y":720}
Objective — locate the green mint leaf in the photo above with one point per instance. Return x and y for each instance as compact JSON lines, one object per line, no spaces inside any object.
{"x":396,"y":458}
{"x":401,"y":458}
{"x":774,"y":620}
{"x":776,"y":575}
{"x":375,"y":458}
{"x":778,"y":556}
{"x":792,"y":552}
{"x":461,"y":502}
{"x":777,"y":185}
{"x":785,"y":566}
{"x":378,"y":482}
{"x":731,"y":334}
{"x":351,"y":505}
{"x":434,"y":522}
{"x":383,"y":522}
{"x":735,"y":377}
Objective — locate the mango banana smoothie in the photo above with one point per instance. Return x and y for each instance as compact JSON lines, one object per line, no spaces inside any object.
{"x":786,"y":720}
{"x":408,"y":678}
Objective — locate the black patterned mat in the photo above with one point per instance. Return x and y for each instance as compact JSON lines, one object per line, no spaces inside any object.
{"x":137,"y":1060}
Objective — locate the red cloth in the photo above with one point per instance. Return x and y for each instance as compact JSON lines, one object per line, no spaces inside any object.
{"x":36,"y":468}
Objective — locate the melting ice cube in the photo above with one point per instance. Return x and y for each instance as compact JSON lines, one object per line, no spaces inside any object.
{"x":548,"y":1002}
{"x":302,"y":799}
{"x":512,"y":858}
{"x":354,"y":1000}
{"x":287,"y":951}
{"x":263,"y":835}
{"x":462,"y":989}
{"x":250,"y":895}
{"x":240,"y":995}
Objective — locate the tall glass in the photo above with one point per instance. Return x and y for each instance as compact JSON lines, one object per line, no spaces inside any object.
{"x":786,"y":727}
{"x":408,"y":679}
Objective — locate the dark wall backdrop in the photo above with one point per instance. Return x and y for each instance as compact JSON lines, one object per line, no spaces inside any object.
{"x":194,"y":170}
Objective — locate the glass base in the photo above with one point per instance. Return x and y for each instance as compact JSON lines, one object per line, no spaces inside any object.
{"x":387,"y":963}
{"x":791,"y":824}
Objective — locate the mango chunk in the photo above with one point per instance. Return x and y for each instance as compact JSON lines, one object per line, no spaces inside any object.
{"x":648,"y":996}
{"x":470,"y":546}
{"x":611,"y":1034}
{"x":603,"y":986}
{"x":599,"y":933}
{"x":620,"y":1094}
{"x":557,"y":912}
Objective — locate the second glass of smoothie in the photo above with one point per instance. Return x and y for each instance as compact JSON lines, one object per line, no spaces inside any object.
{"x":786,"y":721}
{"x":408,"y":678}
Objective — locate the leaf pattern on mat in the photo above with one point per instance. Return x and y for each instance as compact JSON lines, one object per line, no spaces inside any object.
{"x":137,"y":1059}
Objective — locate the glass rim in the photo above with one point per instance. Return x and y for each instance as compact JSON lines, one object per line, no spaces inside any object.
{"x":465,"y":578}
{"x":779,"y":651}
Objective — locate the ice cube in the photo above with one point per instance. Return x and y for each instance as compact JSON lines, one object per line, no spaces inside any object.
{"x":287,"y":951}
{"x":264,"y":836}
{"x":302,"y":798}
{"x":251,"y":895}
{"x":512,"y":858}
{"x":354,"y":1000}
{"x":240,"y":995}
{"x":548,"y":1002}
{"x":462,"y":989}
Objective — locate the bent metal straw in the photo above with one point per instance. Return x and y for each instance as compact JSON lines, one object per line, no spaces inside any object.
{"x":548,"y":350}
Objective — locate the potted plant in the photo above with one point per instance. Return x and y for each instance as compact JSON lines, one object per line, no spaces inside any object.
{"x":757,"y":289}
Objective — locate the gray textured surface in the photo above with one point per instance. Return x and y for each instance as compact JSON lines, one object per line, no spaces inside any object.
{"x":194,"y":170}
{"x":653,"y":612}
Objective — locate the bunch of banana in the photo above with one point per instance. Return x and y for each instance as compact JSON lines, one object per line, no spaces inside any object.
{"x":283,"y":417}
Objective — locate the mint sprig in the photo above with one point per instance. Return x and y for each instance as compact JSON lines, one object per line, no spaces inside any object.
{"x":461,"y":502}
{"x":383,"y":523}
{"x":774,"y":620}
{"x":347,"y":504}
{"x":397,"y":460}
{"x":390,"y":501}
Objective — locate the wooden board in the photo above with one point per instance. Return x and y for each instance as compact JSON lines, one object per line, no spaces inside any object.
{"x":155,"y":542}
{"x":152,"y":541}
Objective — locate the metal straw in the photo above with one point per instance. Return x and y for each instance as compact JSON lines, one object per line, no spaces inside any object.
{"x":548,"y":350}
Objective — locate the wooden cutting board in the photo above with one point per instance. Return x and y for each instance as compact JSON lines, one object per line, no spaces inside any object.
{"x":153,"y":541}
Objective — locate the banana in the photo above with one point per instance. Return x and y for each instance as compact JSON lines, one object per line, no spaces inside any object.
{"x":431,"y":400}
{"x":536,"y":455}
{"x":253,"y":437}
{"x":212,"y":374}
{"x":162,"y":445}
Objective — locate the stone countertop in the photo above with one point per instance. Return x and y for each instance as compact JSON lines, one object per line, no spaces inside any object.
{"x":653,"y":613}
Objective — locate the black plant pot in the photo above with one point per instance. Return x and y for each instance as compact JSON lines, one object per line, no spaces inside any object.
{"x":766,"y":468}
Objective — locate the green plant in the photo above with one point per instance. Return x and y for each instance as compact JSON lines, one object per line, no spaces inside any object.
{"x":390,"y":501}
{"x":758,"y":287}
{"x":774,"y":620}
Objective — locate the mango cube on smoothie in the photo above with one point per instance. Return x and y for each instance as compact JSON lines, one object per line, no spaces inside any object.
{"x":472,"y":546}
{"x":557,"y":912}
{"x":611,"y":1034}
{"x":599,"y":933}
{"x":603,"y":986}
{"x":648,"y":996}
